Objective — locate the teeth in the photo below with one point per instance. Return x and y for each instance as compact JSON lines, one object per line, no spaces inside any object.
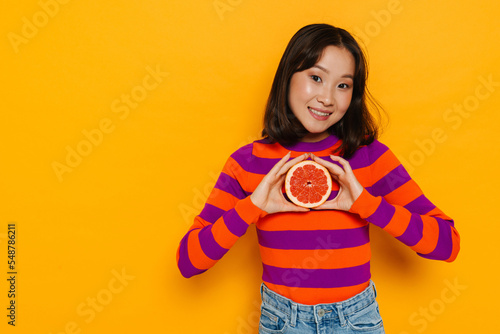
{"x":319,"y":113}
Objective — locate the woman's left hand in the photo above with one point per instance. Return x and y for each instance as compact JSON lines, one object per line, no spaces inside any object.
{"x":350,"y":188}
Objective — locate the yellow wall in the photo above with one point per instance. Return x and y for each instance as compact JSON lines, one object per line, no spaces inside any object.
{"x":117,"y":116}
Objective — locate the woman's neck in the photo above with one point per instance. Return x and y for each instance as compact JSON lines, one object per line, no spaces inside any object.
{"x":314,"y":137}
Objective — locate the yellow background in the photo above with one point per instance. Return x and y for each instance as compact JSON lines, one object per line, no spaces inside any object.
{"x":126,"y":204}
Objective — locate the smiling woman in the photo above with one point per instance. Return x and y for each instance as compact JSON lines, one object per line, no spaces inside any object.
{"x":319,"y":96}
{"x":316,"y":262}
{"x":323,"y":59}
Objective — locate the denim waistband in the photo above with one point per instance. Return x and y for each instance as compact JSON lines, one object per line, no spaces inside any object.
{"x":319,"y":312}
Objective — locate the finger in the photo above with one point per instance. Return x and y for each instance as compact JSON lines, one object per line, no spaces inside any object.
{"x":345,"y":164}
{"x":351,"y":181}
{"x":295,"y":208}
{"x":280,"y":163}
{"x":328,"y":205}
{"x":292,"y":162}
{"x":333,"y":168}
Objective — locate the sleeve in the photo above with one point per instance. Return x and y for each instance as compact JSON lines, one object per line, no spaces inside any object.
{"x":224,"y":219}
{"x":395,"y":203}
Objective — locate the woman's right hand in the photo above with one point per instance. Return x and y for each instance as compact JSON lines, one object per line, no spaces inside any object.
{"x":268,"y":195}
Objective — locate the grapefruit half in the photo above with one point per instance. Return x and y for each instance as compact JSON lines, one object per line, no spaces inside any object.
{"x":308,"y":184}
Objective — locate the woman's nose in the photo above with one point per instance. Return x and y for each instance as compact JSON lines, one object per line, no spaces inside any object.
{"x":326,"y":96}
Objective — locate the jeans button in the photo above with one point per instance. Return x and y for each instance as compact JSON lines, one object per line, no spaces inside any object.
{"x":321,"y":312}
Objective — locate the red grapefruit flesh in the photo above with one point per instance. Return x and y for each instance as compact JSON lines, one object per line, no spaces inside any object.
{"x":308,"y":184}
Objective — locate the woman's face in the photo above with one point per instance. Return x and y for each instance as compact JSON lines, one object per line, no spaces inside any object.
{"x":319,"y":96}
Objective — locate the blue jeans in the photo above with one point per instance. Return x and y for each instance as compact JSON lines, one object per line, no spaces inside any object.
{"x":358,"y":314}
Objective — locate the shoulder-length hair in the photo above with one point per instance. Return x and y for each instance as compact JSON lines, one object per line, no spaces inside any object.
{"x":304,"y":50}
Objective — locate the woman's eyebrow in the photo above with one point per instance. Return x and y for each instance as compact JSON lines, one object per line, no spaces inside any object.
{"x":322,"y":68}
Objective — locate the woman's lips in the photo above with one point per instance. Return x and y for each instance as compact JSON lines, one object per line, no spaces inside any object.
{"x":318,"y":114}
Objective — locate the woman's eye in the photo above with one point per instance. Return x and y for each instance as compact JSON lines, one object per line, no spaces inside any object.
{"x":343,"y":85}
{"x":316,"y":78}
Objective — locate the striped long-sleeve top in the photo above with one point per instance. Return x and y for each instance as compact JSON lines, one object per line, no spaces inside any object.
{"x":321,"y":256}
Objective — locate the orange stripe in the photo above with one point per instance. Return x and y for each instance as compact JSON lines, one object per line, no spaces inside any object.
{"x":399,"y":222}
{"x":249,"y":181}
{"x":196,"y":254}
{"x":248,"y":211}
{"x":366,"y":204}
{"x":316,"y":259}
{"x":252,"y":181}
{"x":223,"y":236}
{"x":233,"y":169}
{"x":269,"y":151}
{"x":430,"y":236}
{"x":404,"y":194}
{"x":312,"y":220}
{"x":364,"y":176}
{"x":383,"y":165}
{"x":222,"y":199}
{"x":312,"y":296}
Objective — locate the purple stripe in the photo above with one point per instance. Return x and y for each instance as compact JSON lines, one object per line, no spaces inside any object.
{"x":317,"y":278}
{"x":317,"y":239}
{"x":235,"y":223}
{"x":250,"y":163}
{"x":313,"y":147}
{"x":363,"y":157}
{"x":383,"y":215}
{"x":185,"y":266}
{"x":228,"y":184}
{"x":420,"y":205}
{"x":413,"y":233}
{"x":208,"y":244}
{"x":211,"y":213}
{"x":254,"y":164}
{"x":366,"y":155}
{"x":390,"y":182}
{"x":262,"y":166}
{"x":257,"y":165}
{"x":444,"y":246}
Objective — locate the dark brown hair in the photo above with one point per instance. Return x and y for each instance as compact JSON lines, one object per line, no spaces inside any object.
{"x":304,"y":50}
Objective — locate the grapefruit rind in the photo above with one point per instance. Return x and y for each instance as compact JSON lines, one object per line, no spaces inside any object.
{"x":305,"y":184}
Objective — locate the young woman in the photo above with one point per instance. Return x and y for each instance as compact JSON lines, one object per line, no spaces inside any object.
{"x":316,"y":263}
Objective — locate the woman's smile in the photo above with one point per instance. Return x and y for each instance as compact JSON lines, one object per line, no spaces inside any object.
{"x":319,"y":115}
